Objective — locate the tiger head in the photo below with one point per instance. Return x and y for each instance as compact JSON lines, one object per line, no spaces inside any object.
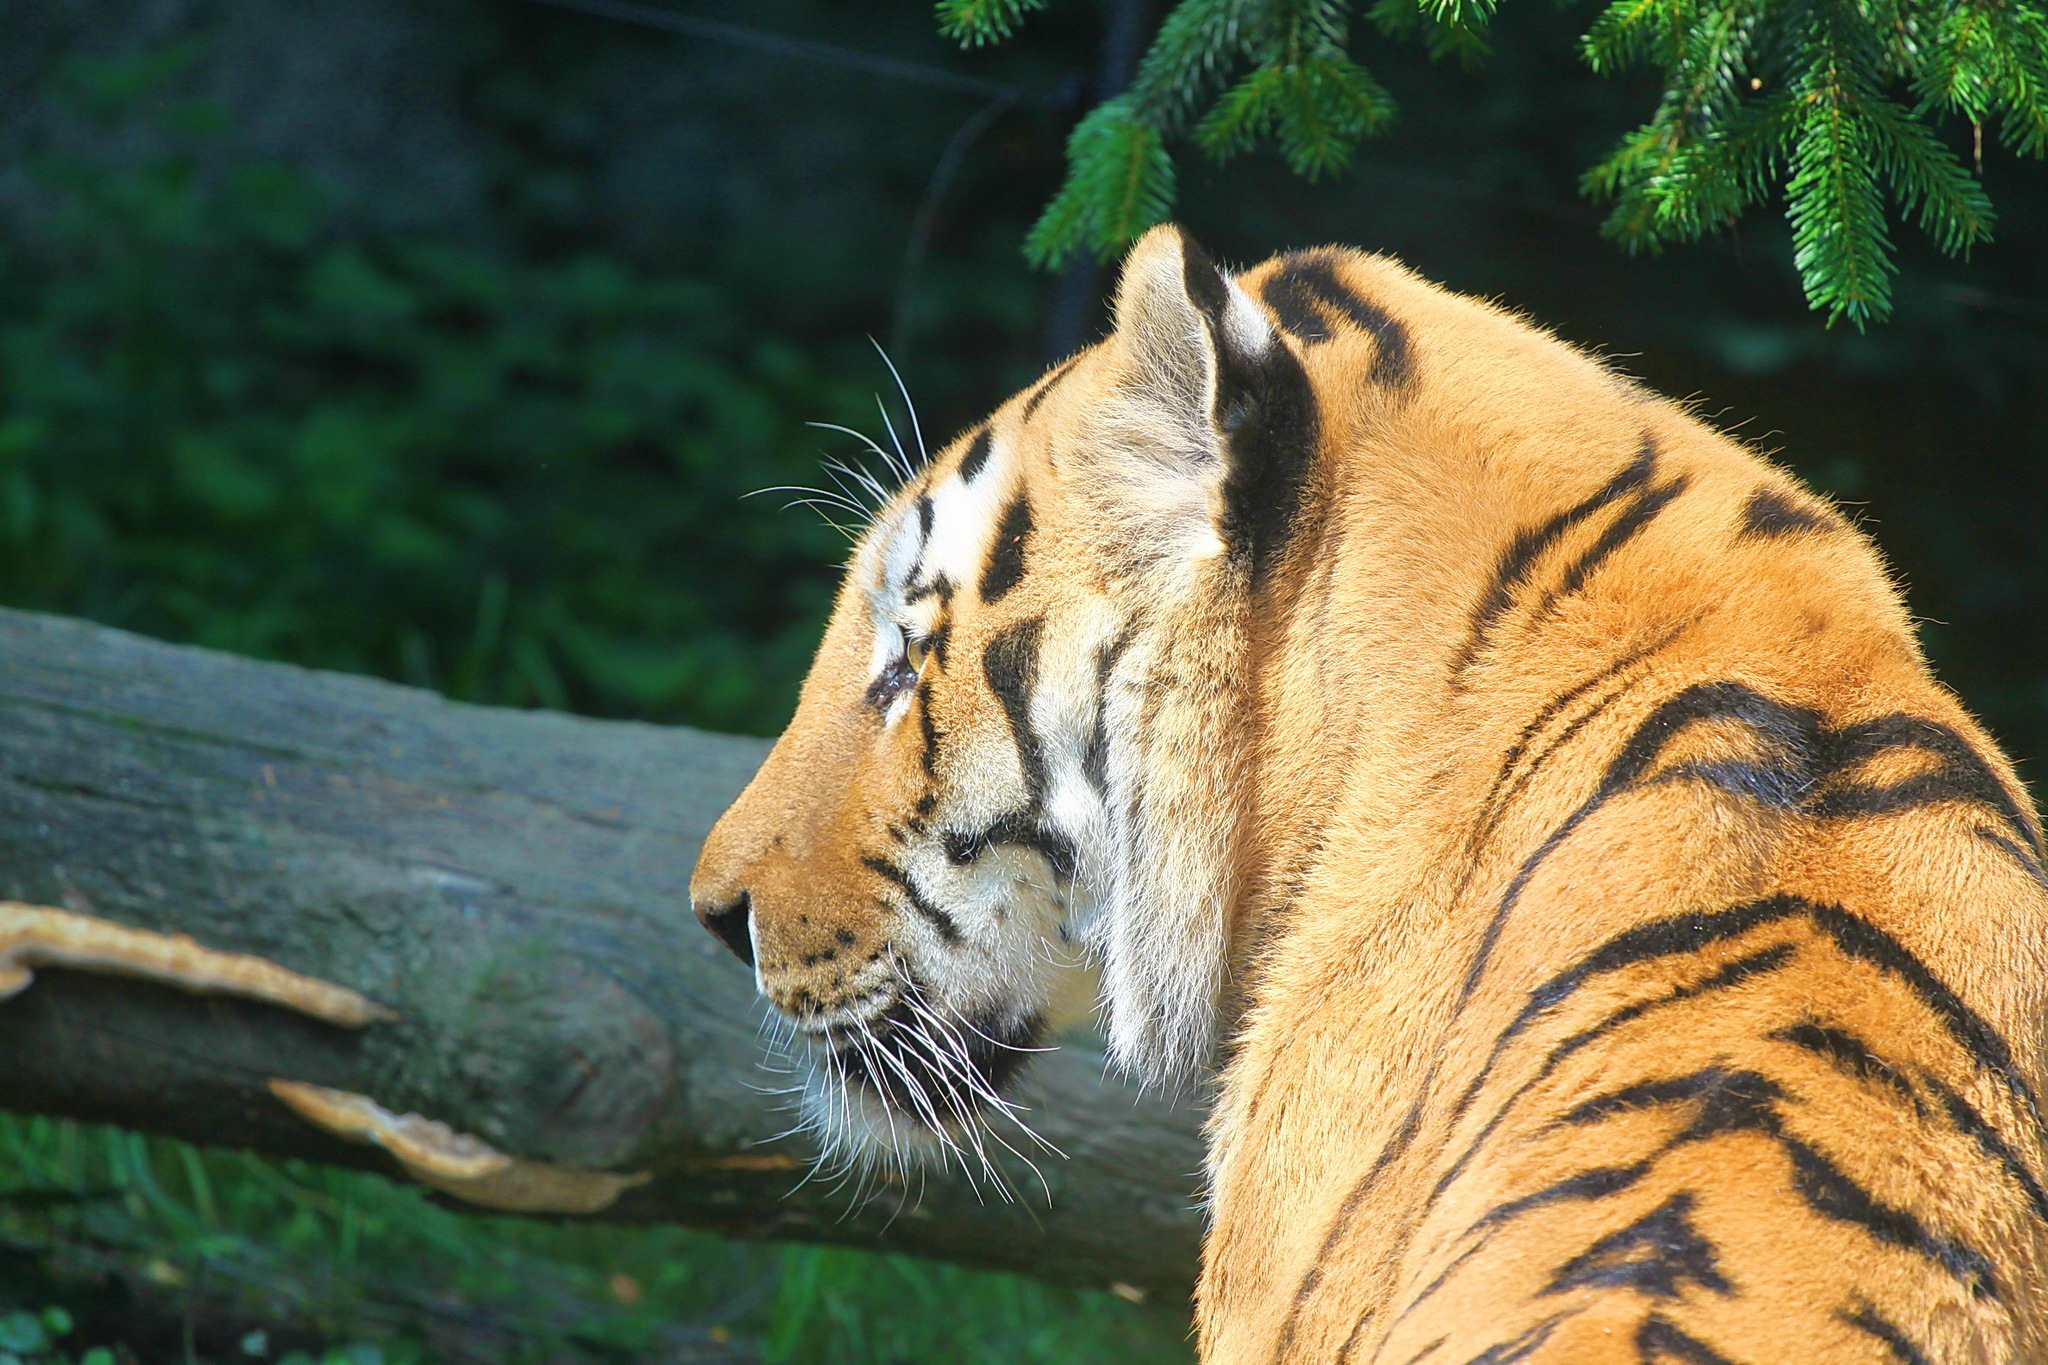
{"x":1021,"y":741}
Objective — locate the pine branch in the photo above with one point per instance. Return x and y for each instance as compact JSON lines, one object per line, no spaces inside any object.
{"x":973,"y":23}
{"x":1120,"y":181}
{"x":1760,"y":97}
{"x":1316,"y":111}
{"x":1952,"y":207}
{"x":1197,"y":46}
{"x":1839,"y":239}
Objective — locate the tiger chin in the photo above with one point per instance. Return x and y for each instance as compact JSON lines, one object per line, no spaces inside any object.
{"x":1531,"y":806}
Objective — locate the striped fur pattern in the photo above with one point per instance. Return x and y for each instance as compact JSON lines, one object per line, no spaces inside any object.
{"x":1623,"y":950}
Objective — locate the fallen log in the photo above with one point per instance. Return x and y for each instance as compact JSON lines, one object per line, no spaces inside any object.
{"x":455,"y":941}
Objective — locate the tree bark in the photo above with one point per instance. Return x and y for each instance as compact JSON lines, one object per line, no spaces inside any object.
{"x":513,"y":884}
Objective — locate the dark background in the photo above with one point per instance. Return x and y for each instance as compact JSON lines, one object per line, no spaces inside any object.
{"x":440,"y":339}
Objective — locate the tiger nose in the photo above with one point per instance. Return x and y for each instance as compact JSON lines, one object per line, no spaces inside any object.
{"x":731,"y":924}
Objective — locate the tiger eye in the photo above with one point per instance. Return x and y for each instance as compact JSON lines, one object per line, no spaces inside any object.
{"x":915,"y":652}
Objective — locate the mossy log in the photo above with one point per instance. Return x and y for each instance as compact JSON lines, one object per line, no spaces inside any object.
{"x":511,"y":886}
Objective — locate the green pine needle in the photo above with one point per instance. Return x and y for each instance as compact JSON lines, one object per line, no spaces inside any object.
{"x":973,"y":23}
{"x":1120,"y":181}
{"x":1196,"y":46}
{"x":1316,"y":111}
{"x":1830,"y":103}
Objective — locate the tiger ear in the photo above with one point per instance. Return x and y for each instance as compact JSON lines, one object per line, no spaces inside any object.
{"x":1182,"y":495}
{"x":1200,"y":446}
{"x":1194,"y":342}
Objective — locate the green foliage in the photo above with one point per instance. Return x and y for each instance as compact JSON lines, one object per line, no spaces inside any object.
{"x":510,"y":476}
{"x":353,"y":1269}
{"x":38,"y":1338}
{"x":1316,"y":110}
{"x":1121,"y":183}
{"x":1831,"y":103}
{"x":975,"y":22}
{"x":1811,"y":99}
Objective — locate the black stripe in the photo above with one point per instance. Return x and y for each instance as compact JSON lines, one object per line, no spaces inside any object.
{"x":923,"y":505}
{"x":1556,"y":705}
{"x":1301,"y":282}
{"x":1598,"y":1182}
{"x":1964,"y":1115}
{"x":1852,"y":1055}
{"x":933,"y":914}
{"x":1503,"y":801}
{"x":1021,"y":831}
{"x":1685,"y":934}
{"x":1830,"y":1193}
{"x":1769,"y":514}
{"x":1744,"y":1101}
{"x":940,"y":587}
{"x":1986,"y":1046}
{"x":1729,"y":1101}
{"x":1046,"y":386}
{"x":1340,"y":1226}
{"x":1659,"y":1341}
{"x":1624,"y":528}
{"x":1358,"y":1330}
{"x":1500,"y":796}
{"x":1426,"y":1352}
{"x":1963,"y":775}
{"x":1523,"y":1346}
{"x":976,"y":456}
{"x":1658,"y":1255}
{"x":1689,"y":933}
{"x":927,"y":733}
{"x":1725,"y":977}
{"x":1867,"y":1319}
{"x":2028,"y":863}
{"x":1010,"y":663}
{"x":1294,"y":308}
{"x":1095,"y":758}
{"x":1519,"y":558}
{"x":1005,"y":567}
{"x":1801,"y":755}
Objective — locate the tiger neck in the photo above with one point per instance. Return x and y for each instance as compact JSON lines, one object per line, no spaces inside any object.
{"x":1461,"y":578}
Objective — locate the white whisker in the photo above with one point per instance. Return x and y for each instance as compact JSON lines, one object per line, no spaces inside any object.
{"x":924,"y":453}
{"x":901,"y":464}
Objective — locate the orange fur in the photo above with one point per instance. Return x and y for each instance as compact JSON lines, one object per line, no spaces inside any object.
{"x":1629,"y":952}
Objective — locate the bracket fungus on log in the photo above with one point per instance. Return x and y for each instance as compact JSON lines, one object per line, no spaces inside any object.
{"x":34,"y":936}
{"x":456,"y":1163}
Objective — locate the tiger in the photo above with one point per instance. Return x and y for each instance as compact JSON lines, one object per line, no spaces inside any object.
{"x":1525,"y":808}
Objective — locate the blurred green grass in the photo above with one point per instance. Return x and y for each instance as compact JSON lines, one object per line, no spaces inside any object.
{"x":256,"y":1259}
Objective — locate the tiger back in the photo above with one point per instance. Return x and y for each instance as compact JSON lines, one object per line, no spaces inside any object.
{"x":1617,"y":947}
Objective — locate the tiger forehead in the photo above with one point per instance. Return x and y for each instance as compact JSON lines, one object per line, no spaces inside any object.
{"x":940,"y":535}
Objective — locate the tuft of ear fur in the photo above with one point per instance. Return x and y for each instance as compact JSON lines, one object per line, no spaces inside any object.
{"x":1173,"y":453}
{"x":1191,"y":336}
